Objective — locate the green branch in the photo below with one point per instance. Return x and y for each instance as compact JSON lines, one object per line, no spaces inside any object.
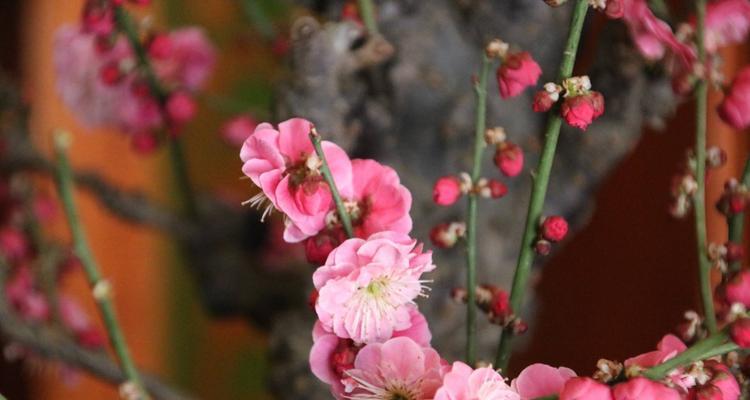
{"x":346,"y":222}
{"x":367,"y":13}
{"x":539,"y":187}
{"x":99,"y":286}
{"x":480,"y":89}
{"x":699,"y":199}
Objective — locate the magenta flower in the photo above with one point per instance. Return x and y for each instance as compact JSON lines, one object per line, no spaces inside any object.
{"x":397,"y":369}
{"x":284,"y":165}
{"x":738,"y":289}
{"x":517,"y":72}
{"x":367,"y":287}
{"x":727,"y":22}
{"x":652,"y":36}
{"x":644,"y":389}
{"x":189,"y":59}
{"x":583,"y":388}
{"x":463,"y":382}
{"x":540,"y":380}
{"x":735,"y":108}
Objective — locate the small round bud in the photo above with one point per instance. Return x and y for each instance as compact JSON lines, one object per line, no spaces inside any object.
{"x":446,"y":191}
{"x":554,"y":228}
{"x":181,"y":107}
{"x":144,"y":142}
{"x":110,"y":73}
{"x":160,"y":46}
{"x":102,"y":290}
{"x":446,"y":235}
{"x":542,"y":247}
{"x":715,"y":157}
{"x":735,"y":251}
{"x":509,"y":159}
{"x":496,"y":135}
{"x":497,"y":189}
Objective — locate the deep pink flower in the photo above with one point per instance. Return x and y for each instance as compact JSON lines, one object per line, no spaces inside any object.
{"x":379,"y":201}
{"x":540,"y":380}
{"x":723,"y":385}
{"x":180,"y":107}
{"x":738,"y":289}
{"x":652,"y":36}
{"x":76,"y":319}
{"x":284,"y":165}
{"x":367,"y":286}
{"x":463,"y":382}
{"x":13,"y":244}
{"x":644,"y":389}
{"x":446,"y":191}
{"x":238,"y":129}
{"x":160,"y":46}
{"x":584,"y":388}
{"x":509,"y":158}
{"x":517,"y":72}
{"x":735,"y":108}
{"x":580,"y":111}
{"x":396,"y":369}
{"x":727,"y":22}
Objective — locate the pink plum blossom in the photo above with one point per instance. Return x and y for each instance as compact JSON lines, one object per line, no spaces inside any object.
{"x":397,"y":369}
{"x":735,"y":108}
{"x":644,"y":389}
{"x":652,"y":36}
{"x":238,"y":129}
{"x":540,"y":380}
{"x":366,"y":287}
{"x":584,"y":388}
{"x":331,"y":356}
{"x":738,"y":289}
{"x":517,"y":72}
{"x":191,"y":58}
{"x":465,"y":383}
{"x":668,"y":347}
{"x":284,"y":165}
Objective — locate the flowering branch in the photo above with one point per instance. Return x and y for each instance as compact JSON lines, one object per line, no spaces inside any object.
{"x":699,"y":200}
{"x":711,"y":346}
{"x":176,"y":153}
{"x":539,"y":187}
{"x":367,"y":12}
{"x":480,"y":89}
{"x":346,"y":222}
{"x":99,"y":286}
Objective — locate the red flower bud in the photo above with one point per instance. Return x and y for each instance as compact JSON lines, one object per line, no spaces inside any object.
{"x":446,"y":235}
{"x":13,"y":244}
{"x":180,"y":107}
{"x":497,"y":189}
{"x":110,"y":73}
{"x":500,"y":307}
{"x":509,"y":159}
{"x":144,"y":142}
{"x":543,"y":101}
{"x":735,"y":251}
{"x":160,"y":46}
{"x":554,"y":228}
{"x":581,"y":111}
{"x":517,"y":72}
{"x":615,"y":9}
{"x":446,"y":191}
{"x":319,"y":246}
{"x":740,"y":332}
{"x":735,"y":108}
{"x":542,"y":247}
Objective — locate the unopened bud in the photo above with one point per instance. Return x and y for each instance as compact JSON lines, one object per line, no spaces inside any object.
{"x":496,"y":48}
{"x":496,"y":135}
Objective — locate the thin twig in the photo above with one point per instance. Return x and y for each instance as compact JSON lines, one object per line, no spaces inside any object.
{"x":699,"y":199}
{"x":346,"y":221}
{"x":480,"y":89}
{"x":99,"y":286}
{"x":539,"y":187}
{"x":367,"y":12}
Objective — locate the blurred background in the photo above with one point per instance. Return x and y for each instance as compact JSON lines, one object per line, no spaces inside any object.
{"x":612,"y":291}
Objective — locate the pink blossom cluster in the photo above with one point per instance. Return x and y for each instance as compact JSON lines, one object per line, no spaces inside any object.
{"x":103,"y":80}
{"x":23,"y":290}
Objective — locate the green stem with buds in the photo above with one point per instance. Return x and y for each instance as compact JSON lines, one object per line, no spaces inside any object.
{"x":539,"y":187}
{"x":346,"y":221}
{"x":98,"y":285}
{"x":480,"y":89}
{"x":699,"y":199}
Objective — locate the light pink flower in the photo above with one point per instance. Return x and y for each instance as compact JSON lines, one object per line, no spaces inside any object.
{"x":668,"y":347}
{"x":238,"y":129}
{"x":284,"y":165}
{"x":397,"y":369}
{"x":331,"y":356}
{"x":539,"y":380}
{"x":517,"y":72}
{"x":465,"y":383}
{"x":644,"y":389}
{"x":584,"y":388}
{"x":652,"y":36}
{"x":735,"y":108}
{"x":367,"y":287}
{"x":190,"y":61}
{"x":379,"y":201}
{"x":727,"y":22}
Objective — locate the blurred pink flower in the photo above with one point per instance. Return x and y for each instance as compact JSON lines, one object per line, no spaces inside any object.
{"x":28,"y":301}
{"x":75,"y":319}
{"x":463,"y":382}
{"x":652,"y":36}
{"x":190,"y":61}
{"x":540,"y":380}
{"x":397,"y":369}
{"x":727,"y":22}
{"x":238,"y":129}
{"x":367,"y":287}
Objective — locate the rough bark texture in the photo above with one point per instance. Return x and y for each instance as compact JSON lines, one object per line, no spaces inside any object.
{"x":415,"y":112}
